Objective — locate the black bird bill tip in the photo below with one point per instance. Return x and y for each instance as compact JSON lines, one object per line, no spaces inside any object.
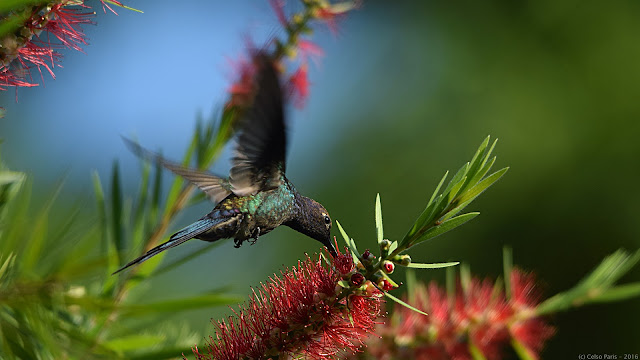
{"x":329,"y":245}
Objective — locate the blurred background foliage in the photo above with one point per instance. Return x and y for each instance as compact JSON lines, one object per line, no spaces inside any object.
{"x":405,"y":91}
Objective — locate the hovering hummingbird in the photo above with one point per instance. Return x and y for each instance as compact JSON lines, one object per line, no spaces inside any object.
{"x":257,"y":197}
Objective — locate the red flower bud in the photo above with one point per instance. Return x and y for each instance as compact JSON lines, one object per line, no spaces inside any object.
{"x":388,"y":266}
{"x":357,"y":279}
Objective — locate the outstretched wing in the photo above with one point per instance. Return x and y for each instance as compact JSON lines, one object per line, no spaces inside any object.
{"x":216,"y":187}
{"x":259,"y":161}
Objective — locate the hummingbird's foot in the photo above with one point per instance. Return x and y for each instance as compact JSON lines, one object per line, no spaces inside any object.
{"x":237,"y":243}
{"x":256,"y":234}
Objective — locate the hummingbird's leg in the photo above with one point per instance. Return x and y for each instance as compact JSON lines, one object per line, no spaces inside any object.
{"x":256,"y":234}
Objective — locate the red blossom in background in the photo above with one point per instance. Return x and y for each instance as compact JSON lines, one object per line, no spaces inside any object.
{"x":478,"y":316}
{"x":41,"y":31}
{"x":302,"y":312}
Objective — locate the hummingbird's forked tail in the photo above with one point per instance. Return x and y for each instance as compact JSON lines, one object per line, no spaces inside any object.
{"x":176,"y":239}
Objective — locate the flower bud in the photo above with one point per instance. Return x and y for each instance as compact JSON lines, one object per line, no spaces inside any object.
{"x":404,"y":260}
{"x":387,"y":266}
{"x":384,"y":245}
{"x":385,"y":285}
{"x":368,"y":256}
{"x":357,"y":279}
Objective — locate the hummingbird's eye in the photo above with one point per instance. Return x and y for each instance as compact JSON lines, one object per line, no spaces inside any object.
{"x":327,"y":220}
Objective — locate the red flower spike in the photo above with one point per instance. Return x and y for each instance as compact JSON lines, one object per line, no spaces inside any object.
{"x":478,"y":315}
{"x":299,"y":313}
{"x":299,"y":86}
{"x":36,"y":42}
{"x":309,"y":50}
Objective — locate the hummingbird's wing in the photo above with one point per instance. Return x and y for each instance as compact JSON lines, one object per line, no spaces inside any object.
{"x":259,"y":161}
{"x":215,"y":187}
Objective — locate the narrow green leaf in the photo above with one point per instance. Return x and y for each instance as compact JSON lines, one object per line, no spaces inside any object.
{"x":455,"y":188}
{"x":393,"y":247}
{"x":480,"y":153}
{"x":482,"y":172}
{"x":133,"y":342}
{"x":507,"y":266}
{"x":404,"y":304}
{"x":433,"y":265}
{"x":476,"y":162}
{"x":423,"y":218}
{"x":8,"y":263}
{"x":482,"y":186}
{"x":476,"y":354}
{"x":522,"y":351}
{"x":412,"y":282}
{"x":435,"y":192}
{"x":116,"y":212}
{"x":38,"y":232}
{"x":462,"y":172}
{"x":350,"y":243}
{"x":446,"y":226}
{"x":170,"y":306}
{"x":170,"y":353}
{"x":379,"y":230}
{"x":617,"y":293}
{"x":488,"y":153}
{"x":117,"y":3}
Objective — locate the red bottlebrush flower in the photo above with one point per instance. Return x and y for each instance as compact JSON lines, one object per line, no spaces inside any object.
{"x":309,"y":50}
{"x":479,"y":315}
{"x":299,"y":86}
{"x":242,"y":89}
{"x":302,"y":312}
{"x":31,"y":45}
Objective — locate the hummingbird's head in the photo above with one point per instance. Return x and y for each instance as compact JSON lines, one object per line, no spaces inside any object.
{"x":314,"y":221}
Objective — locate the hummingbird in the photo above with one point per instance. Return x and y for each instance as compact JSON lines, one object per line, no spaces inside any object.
{"x":257,"y":197}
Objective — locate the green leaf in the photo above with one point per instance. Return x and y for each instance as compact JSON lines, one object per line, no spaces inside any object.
{"x":617,"y":293}
{"x":477,"y":161}
{"x":170,"y":353}
{"x":350,"y":244}
{"x":462,"y":172}
{"x":597,"y":286}
{"x":171,"y":306}
{"x":412,"y":282}
{"x":404,"y":304}
{"x":522,"y":350}
{"x":507,"y":267}
{"x":476,"y":354}
{"x":482,"y":186}
{"x":379,"y":230}
{"x":425,"y":216}
{"x":446,"y":226}
{"x":433,"y":265}
{"x":133,"y":342}
{"x":116,"y":212}
{"x":122,"y":6}
{"x":435,"y":193}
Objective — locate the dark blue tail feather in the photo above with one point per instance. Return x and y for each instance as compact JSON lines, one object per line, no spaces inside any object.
{"x":176,"y":239}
